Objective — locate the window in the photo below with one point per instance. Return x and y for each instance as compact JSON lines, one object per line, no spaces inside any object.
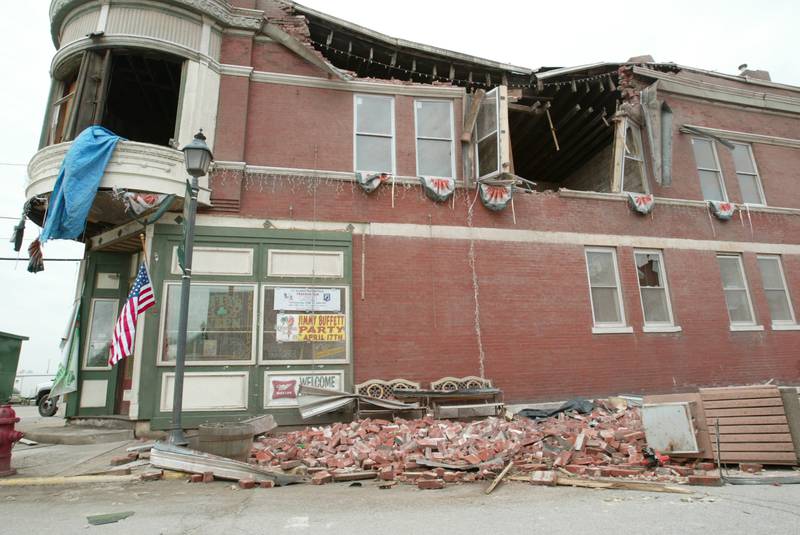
{"x":705,"y":156}
{"x":374,"y":134}
{"x":633,"y":170}
{"x":780,"y":306}
{"x":653,"y":289}
{"x":102,"y":318}
{"x":134,"y":94}
{"x":747,"y":174}
{"x":605,"y":293}
{"x":434,"y":131}
{"x":286,"y":309}
{"x":221,"y":323}
{"x":737,"y":295}
{"x":492,"y":146}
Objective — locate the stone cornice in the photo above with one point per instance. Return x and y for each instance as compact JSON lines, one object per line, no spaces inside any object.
{"x":219,"y":10}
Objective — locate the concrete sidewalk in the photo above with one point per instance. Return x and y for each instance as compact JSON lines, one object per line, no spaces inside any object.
{"x":56,"y":430}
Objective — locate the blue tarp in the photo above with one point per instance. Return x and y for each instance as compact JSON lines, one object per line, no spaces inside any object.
{"x":77,"y":183}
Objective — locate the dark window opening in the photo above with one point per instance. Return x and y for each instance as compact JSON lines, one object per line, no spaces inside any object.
{"x":135,"y":95}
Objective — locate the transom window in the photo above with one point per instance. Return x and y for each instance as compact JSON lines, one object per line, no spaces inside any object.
{"x":747,"y":174}
{"x":374,"y":134}
{"x":737,"y":294}
{"x":780,"y":305}
{"x":705,"y":156}
{"x":653,"y":288}
{"x":434,"y":131}
{"x":607,"y":309}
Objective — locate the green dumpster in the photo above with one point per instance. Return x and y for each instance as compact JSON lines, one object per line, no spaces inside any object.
{"x":10,"y":344}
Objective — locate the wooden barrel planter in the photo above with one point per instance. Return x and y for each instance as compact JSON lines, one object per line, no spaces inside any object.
{"x":227,"y":439}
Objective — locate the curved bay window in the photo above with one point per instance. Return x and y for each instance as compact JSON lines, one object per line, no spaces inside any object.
{"x":221,"y":324}
{"x":133,"y":93}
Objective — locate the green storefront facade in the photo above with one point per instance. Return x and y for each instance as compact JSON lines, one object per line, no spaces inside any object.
{"x":259,"y":297}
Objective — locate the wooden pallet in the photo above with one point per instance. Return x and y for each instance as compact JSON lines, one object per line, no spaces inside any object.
{"x":752,"y":424}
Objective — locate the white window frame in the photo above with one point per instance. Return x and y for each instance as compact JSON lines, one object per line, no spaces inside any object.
{"x":718,"y":170}
{"x":637,"y":139}
{"x":84,"y":361}
{"x":755,"y":174}
{"x":308,"y":362}
{"x":778,"y":325}
{"x":163,"y":326}
{"x":503,"y":142}
{"x":417,"y":137}
{"x":656,"y":326}
{"x":356,"y":133}
{"x":751,"y":325}
{"x":607,"y":327}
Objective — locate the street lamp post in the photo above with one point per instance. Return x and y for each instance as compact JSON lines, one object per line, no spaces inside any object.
{"x":197,"y":157}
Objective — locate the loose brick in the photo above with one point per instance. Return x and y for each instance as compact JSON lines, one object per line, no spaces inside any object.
{"x":208,"y":477}
{"x":196,"y":478}
{"x":266,"y":484}
{"x":430,"y":484}
{"x":119,"y":460}
{"x":544,"y":477}
{"x":321,"y":478}
{"x":706,"y":480}
{"x":152,"y":475}
{"x":705,"y":466}
{"x":751,"y":467}
{"x":247,"y":483}
{"x":387,"y":474}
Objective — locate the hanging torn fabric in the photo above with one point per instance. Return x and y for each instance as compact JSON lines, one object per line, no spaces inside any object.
{"x":438,"y":189}
{"x":722,"y":210}
{"x":36,"y":262}
{"x":494,"y":197}
{"x":77,"y":183}
{"x":369,"y":182}
{"x":138,"y":203}
{"x":641,"y":202}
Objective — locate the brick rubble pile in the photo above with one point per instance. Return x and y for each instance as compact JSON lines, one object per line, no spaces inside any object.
{"x":605,"y":443}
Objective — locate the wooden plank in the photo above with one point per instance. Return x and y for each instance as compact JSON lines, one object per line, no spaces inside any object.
{"x":756,"y":437}
{"x":472,"y":115}
{"x":759,"y":446}
{"x":741,"y":387}
{"x":737,"y":394}
{"x":745,"y":411}
{"x":734,"y":403}
{"x":765,"y":457}
{"x":646,"y":486}
{"x":734,"y":429}
{"x":746,"y":420}
{"x":499,"y":478}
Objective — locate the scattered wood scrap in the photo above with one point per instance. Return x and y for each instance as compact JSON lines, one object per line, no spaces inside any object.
{"x":499,"y":478}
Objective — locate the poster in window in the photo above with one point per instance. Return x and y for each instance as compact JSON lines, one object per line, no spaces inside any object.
{"x":308,"y":299}
{"x":310,"y":328}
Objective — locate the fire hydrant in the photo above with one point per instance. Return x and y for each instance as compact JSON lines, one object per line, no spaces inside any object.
{"x":8,"y":435}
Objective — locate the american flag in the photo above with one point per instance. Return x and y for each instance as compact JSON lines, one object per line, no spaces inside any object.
{"x":140,"y":299}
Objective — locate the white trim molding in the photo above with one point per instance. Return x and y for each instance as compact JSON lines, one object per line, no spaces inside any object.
{"x":612,"y":330}
{"x":785,"y":327}
{"x":746,"y":137}
{"x":661,"y":329}
{"x":746,"y":328}
{"x":226,"y":391}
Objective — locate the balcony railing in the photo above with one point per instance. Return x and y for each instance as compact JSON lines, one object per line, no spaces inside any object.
{"x":134,"y":167}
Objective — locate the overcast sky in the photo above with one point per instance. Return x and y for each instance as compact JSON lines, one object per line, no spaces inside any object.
{"x":718,"y":35}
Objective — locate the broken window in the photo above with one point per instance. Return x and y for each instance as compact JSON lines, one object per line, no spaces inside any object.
{"x":374,"y":134}
{"x":705,"y":156}
{"x":747,"y":174}
{"x":434,"y":131}
{"x":133,"y":94}
{"x":653,"y":288}
{"x":633,"y":171}
{"x":491,"y":135}
{"x":605,"y":293}
{"x":737,"y":294}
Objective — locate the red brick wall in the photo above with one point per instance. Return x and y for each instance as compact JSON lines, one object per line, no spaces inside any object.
{"x":417,"y":321}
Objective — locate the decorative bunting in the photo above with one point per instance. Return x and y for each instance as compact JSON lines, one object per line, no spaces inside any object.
{"x":438,"y":189}
{"x":642,"y":203}
{"x":496,"y":198}
{"x":722,"y":210}
{"x":369,"y":182}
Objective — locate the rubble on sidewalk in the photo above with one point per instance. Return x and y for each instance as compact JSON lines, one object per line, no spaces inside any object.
{"x":608,"y":441}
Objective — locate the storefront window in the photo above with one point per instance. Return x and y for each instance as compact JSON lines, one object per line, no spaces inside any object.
{"x":221,"y":322}
{"x":305,"y":324}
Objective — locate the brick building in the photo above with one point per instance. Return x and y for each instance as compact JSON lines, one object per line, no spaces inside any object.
{"x":520,"y":255}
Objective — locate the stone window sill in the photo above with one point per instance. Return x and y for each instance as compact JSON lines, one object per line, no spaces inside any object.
{"x":612,"y":330}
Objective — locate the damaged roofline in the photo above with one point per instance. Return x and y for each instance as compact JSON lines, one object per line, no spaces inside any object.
{"x":402,"y":43}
